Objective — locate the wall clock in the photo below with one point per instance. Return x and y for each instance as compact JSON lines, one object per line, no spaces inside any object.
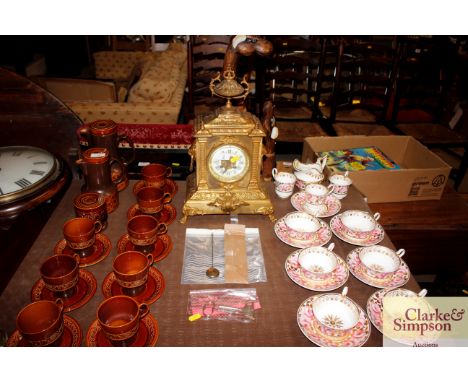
{"x":29,"y":176}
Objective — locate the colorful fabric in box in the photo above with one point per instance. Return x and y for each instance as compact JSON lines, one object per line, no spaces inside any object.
{"x":158,"y":136}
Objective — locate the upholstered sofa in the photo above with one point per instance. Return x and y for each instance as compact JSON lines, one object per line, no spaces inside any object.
{"x":146,"y":87}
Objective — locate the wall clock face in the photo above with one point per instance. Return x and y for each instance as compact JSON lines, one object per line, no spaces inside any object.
{"x":228,"y":163}
{"x":24,"y":170}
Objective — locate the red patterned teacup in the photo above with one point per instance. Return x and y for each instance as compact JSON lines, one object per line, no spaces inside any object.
{"x":80,"y":234}
{"x":358,"y":224}
{"x":119,"y":318}
{"x":131,"y":270}
{"x":155,"y":174}
{"x":318,"y":263}
{"x":91,"y":205}
{"x":41,"y":322}
{"x":151,"y":200}
{"x":379,"y":261}
{"x":60,"y":274}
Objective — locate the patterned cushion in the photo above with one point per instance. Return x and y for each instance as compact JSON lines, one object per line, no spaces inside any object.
{"x":115,"y":65}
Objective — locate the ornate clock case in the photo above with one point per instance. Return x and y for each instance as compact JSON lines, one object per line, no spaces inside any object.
{"x":228,"y":151}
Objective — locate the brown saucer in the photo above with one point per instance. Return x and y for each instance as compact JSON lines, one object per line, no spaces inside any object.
{"x":101,"y":248}
{"x":167,"y":215}
{"x":71,"y":336}
{"x":170,"y":186}
{"x":154,"y":287}
{"x":162,"y":247}
{"x":147,"y":334}
{"x":85,"y":290}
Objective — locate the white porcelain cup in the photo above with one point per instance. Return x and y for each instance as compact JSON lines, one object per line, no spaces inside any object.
{"x":282,"y":176}
{"x":318,"y":262}
{"x":315,"y":209}
{"x":379,"y":261}
{"x":318,"y":192}
{"x":335,"y":313}
{"x":284,"y":190}
{"x":301,"y":225}
{"x":358,"y":223}
{"x":341,"y":183}
{"x":401,"y":292}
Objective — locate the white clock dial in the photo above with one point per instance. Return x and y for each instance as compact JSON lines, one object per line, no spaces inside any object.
{"x":23,"y":169}
{"x":228,"y":163}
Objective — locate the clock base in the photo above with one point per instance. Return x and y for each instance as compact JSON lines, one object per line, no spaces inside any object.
{"x":227,"y":200}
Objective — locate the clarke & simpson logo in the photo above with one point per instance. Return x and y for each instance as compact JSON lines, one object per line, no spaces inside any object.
{"x":425,"y":321}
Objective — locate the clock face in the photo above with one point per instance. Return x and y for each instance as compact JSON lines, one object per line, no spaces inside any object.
{"x":23,"y":170}
{"x":228,"y":163}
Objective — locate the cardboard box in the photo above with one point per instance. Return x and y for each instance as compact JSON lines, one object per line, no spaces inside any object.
{"x":423,"y":175}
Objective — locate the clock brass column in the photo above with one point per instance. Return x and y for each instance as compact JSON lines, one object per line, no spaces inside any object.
{"x":228,"y":153}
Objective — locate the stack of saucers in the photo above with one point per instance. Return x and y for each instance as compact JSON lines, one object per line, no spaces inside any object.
{"x":333,"y":319}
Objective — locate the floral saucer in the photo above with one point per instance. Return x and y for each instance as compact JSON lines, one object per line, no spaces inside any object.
{"x":85,"y":290}
{"x":101,"y":249}
{"x":162,"y":247}
{"x":147,"y":334}
{"x":154,"y":287}
{"x":285,"y":234}
{"x":71,"y":336}
{"x":375,"y":237}
{"x":398,"y":278}
{"x":357,"y":336}
{"x":375,"y":308}
{"x":337,"y":278}
{"x":170,"y":187}
{"x":167,"y":215}
{"x":332,"y":203}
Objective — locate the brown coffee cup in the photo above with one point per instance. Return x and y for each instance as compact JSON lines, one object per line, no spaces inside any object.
{"x":119,"y":318}
{"x":151,"y":200}
{"x":155,"y":174}
{"x":131,"y":270}
{"x":41,"y":322}
{"x":60,"y":274}
{"x":91,"y":205}
{"x":80,"y":234}
{"x":143,"y":231}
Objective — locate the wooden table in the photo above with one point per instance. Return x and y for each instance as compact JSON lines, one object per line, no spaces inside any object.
{"x":433,"y":232}
{"x":276,"y":321}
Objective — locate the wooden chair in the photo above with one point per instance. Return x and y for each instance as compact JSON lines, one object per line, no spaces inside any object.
{"x":205,"y":61}
{"x":362,"y":91}
{"x":421,"y":104}
{"x":292,"y":80}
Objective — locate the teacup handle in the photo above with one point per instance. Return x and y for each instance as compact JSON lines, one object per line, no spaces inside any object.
{"x":324,"y":162}
{"x":162,"y":229}
{"x":77,"y":258}
{"x":167,"y":198}
{"x":345,"y":291}
{"x":331,"y":246}
{"x":400,"y":252}
{"x":422,"y":293}
{"x":331,"y":188}
{"x":376,"y":216}
{"x":125,"y":138}
{"x":150,"y":259}
{"x":143,"y":309}
{"x":274,"y":172}
{"x":168,"y":172}
{"x":59,"y":303}
{"x":97,"y":226}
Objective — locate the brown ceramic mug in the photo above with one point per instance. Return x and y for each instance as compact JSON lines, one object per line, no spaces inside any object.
{"x":91,"y":205}
{"x":80,"y":234}
{"x":155,"y":174}
{"x":41,"y":322}
{"x":131,"y":270}
{"x":151,"y":200}
{"x":60,"y":274}
{"x":119,"y":318}
{"x":143,"y":231}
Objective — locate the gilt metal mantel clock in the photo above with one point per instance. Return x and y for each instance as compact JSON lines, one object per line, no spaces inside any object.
{"x":228,"y":152}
